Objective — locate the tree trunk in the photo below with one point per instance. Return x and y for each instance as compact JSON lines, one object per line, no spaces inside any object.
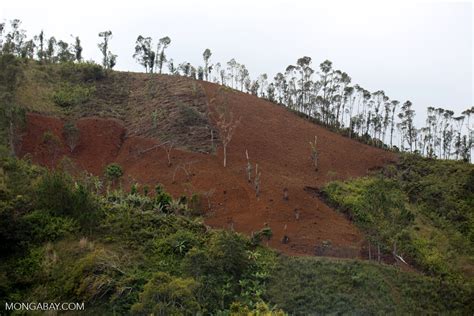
{"x":225,"y":155}
{"x":378,"y":252}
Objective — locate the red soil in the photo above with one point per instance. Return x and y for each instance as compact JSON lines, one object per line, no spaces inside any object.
{"x":276,"y":139}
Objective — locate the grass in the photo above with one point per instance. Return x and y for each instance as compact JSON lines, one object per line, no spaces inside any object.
{"x":320,"y":286}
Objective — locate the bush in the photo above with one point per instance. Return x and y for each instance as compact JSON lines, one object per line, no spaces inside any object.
{"x":72,"y":94}
{"x":81,"y":72}
{"x":113,"y":172}
{"x":71,"y":135}
{"x":57,"y":194}
{"x":167,"y":295}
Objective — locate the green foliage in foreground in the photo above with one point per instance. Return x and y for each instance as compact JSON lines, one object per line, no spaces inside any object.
{"x":318,"y":286}
{"x":422,"y":208}
{"x":128,"y":253}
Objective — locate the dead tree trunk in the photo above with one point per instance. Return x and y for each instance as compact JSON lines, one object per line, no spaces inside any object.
{"x":249,"y":168}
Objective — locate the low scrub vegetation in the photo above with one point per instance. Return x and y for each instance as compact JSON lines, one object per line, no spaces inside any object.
{"x":318,"y":286}
{"x":72,"y":94}
{"x":143,"y":253}
{"x":420,"y":209}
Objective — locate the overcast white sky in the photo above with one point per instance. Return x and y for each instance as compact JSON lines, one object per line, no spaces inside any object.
{"x":418,"y":51}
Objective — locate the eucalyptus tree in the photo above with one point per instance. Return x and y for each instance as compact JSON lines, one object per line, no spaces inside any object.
{"x":163,"y":43}
{"x":171,"y":68}
{"x":243,"y":75}
{"x":291,"y":92}
{"x":280,"y":86}
{"x":200,"y":73}
{"x":325,"y":73}
{"x":447,"y":132}
{"x":406,"y":123}
{"x":271,"y":92}
{"x":77,"y":48}
{"x":263,"y":83}
{"x":459,"y":121}
{"x":345,"y":81}
{"x":349,"y":99}
{"x":247,"y":84}
{"x":50,"y":50}
{"x":40,"y":44}
{"x":28,"y":49}
{"x":144,"y":53}
{"x":430,"y":124}
{"x":217,"y":70}
{"x":303,"y":66}
{"x":394,"y":105}
{"x":185,"y":68}
{"x":2,"y":30}
{"x":254,"y":85}
{"x":14,"y":39}
{"x":64,"y":52}
{"x":231,"y":67}
{"x":108,"y":59}
{"x":206,"y":56}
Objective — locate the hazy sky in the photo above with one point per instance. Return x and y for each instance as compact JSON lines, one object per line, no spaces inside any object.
{"x":416,"y":51}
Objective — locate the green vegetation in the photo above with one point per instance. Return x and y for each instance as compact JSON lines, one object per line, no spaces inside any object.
{"x":70,"y":95}
{"x":134,"y":253}
{"x":304,"y":286}
{"x":122,"y":252}
{"x":421,"y":209}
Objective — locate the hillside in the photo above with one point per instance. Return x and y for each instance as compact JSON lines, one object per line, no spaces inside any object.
{"x":94,"y":211}
{"x":116,"y":125}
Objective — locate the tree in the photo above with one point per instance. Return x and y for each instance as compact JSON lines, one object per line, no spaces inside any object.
{"x":64,"y":53}
{"x":231,"y":66}
{"x":78,"y":50}
{"x":395,"y":104}
{"x":406,"y":116}
{"x":2,"y":30}
{"x":144,"y":54}
{"x":14,"y":39}
{"x":113,"y":172}
{"x":40,"y":44}
{"x":225,"y":121}
{"x":163,"y":43}
{"x":326,"y":68}
{"x":11,"y":117}
{"x":108,"y":59}
{"x":243,"y":75}
{"x":262,"y":82}
{"x":50,"y":50}
{"x":206,"y":55}
{"x":303,"y":66}
{"x":28,"y":49}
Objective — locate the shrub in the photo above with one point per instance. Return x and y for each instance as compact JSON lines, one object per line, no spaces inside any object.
{"x":57,"y":194}
{"x":43,"y":227}
{"x":72,"y":94}
{"x":81,"y":72}
{"x":71,"y":135}
{"x":167,"y":295}
{"x":113,"y":171}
